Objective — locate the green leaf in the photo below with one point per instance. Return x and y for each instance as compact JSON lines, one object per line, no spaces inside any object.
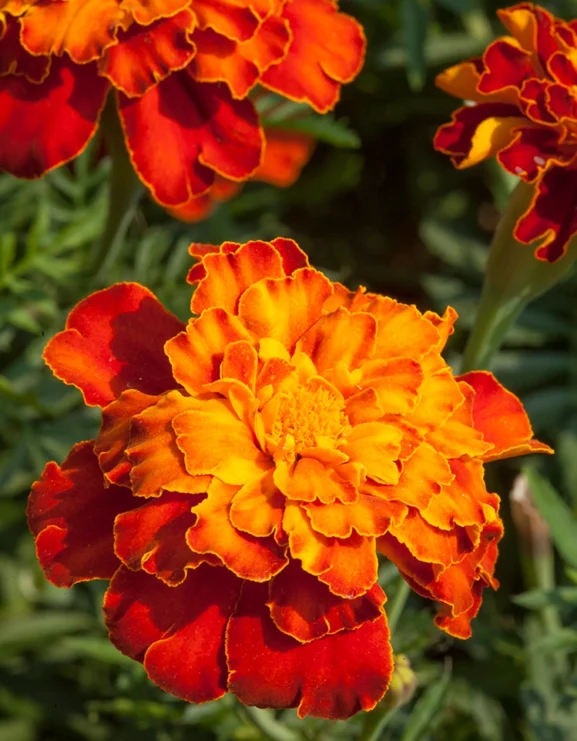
{"x":34,"y":630}
{"x":561,"y":521}
{"x":427,"y":707}
{"x":322,"y":128}
{"x":537,"y":599}
{"x":415,"y":19}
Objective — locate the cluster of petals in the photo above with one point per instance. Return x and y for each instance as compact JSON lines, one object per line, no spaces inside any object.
{"x":521,"y":106}
{"x":178,"y":72}
{"x":251,"y":466}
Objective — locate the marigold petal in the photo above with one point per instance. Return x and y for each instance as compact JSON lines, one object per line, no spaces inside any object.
{"x":257,"y":508}
{"x":145,"y":55}
{"x":309,"y":479}
{"x":367,"y":515}
{"x":528,"y":23}
{"x":113,"y":341}
{"x":500,"y":416}
{"x":157,"y":462}
{"x":284,"y":308}
{"x":461,"y":501}
{"x":214,"y":441}
{"x":506,"y":65}
{"x":376,"y":446}
{"x":196,"y":354}
{"x":219,"y":59}
{"x":176,"y":632}
{"x":327,"y":49}
{"x":396,"y":383}
{"x":285,"y":154}
{"x":71,"y":513}
{"x":461,"y":80}
{"x":256,"y":559}
{"x":440,"y":397}
{"x":228,"y":275}
{"x":202,"y":130}
{"x":43,"y":126}
{"x":144,"y":12}
{"x":305,"y":609}
{"x":332,"y":677}
{"x":115,"y":429}
{"x":14,"y":59}
{"x":153,"y":537}
{"x":234,"y":19}
{"x":292,"y":256}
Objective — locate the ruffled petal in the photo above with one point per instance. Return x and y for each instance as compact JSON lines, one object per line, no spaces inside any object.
{"x":114,"y":341}
{"x":200,"y":130}
{"x":332,"y":677}
{"x":285,"y":154}
{"x":396,"y":383}
{"x":367,"y":515}
{"x":176,"y":632}
{"x":14,"y":59}
{"x":257,"y":508}
{"x":144,"y":12}
{"x":376,"y":446}
{"x":309,"y":479}
{"x":234,"y":19}
{"x":71,"y":514}
{"x":461,"y":501}
{"x":43,"y":126}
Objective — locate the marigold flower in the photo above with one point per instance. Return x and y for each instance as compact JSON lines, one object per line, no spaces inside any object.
{"x":250,"y":466}
{"x":521,"y":107}
{"x":180,"y":72}
{"x":285,"y":153}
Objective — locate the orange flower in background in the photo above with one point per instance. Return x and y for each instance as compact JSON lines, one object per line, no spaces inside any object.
{"x":521,"y":106}
{"x":285,"y":153}
{"x":179,"y":71}
{"x":252,"y":464}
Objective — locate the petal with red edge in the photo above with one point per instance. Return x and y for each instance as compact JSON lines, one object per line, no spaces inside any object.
{"x":461,"y":80}
{"x":506,"y":66}
{"x":202,"y":130}
{"x":333,"y":677}
{"x":43,"y":126}
{"x":114,"y":341}
{"x":531,"y":150}
{"x":219,"y":59}
{"x":145,"y":55}
{"x":153,"y":537}
{"x":177,"y":632}
{"x":257,"y":559}
{"x":234,"y":19}
{"x":305,"y":609}
{"x":292,"y":256}
{"x":14,"y":59}
{"x":327,"y":49}
{"x":500,"y":416}
{"x":71,"y":514}
{"x":145,"y":12}
{"x":461,"y":501}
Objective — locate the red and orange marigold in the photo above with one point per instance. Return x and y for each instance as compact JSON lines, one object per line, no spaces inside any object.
{"x":179,"y":73}
{"x":521,"y":106}
{"x":252,"y":464}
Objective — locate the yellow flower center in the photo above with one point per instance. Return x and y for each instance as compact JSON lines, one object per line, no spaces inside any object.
{"x":309,"y":416}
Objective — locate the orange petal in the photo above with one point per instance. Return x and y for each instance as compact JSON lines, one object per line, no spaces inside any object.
{"x":367,"y":515}
{"x":82,"y":28}
{"x":339,"y":336}
{"x":227,"y":276}
{"x":153,"y":537}
{"x":363,"y":406}
{"x":257,"y":559}
{"x":328,"y":49}
{"x":285,"y":154}
{"x":113,"y":341}
{"x":461,"y":80}
{"x":145,"y":55}
{"x":214,"y":441}
{"x":219,"y":59}
{"x":460,"y":502}
{"x":196,"y":354}
{"x":145,"y":12}
{"x":305,"y":609}
{"x":332,"y":677}
{"x":348,"y":566}
{"x":202,"y":130}
{"x":376,"y":446}
{"x":396,"y":383}
{"x":500,"y":416}
{"x":177,"y":632}
{"x":71,"y":514}
{"x":440,"y":397}
{"x":308,"y":480}
{"x":257,"y":508}
{"x":240,"y":362}
{"x":114,"y":434}
{"x":157,"y":462}
{"x":234,"y":19}
{"x":284,"y":308}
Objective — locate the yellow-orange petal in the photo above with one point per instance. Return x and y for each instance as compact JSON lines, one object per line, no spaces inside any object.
{"x":440,"y":396}
{"x":234,"y":19}
{"x":461,"y":80}
{"x":157,"y":462}
{"x":145,"y":12}
{"x":376,"y":446}
{"x":214,"y":441}
{"x":240,"y":362}
{"x":257,"y":508}
{"x":339,"y":337}
{"x":402,"y":331}
{"x":367,"y":515}
{"x":396,"y":383}
{"x":284,"y":308}
{"x":256,"y":559}
{"x":348,"y":566}
{"x":461,"y":501}
{"x":219,"y":59}
{"x":309,"y":479}
{"x":196,"y":354}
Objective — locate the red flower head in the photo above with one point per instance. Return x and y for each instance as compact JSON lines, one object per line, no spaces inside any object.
{"x":522,"y":108}
{"x":251,"y":465}
{"x":180,"y":72}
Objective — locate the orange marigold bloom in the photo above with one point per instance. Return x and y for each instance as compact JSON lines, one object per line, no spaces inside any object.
{"x":522,"y":108}
{"x":250,"y":466}
{"x":179,"y":71}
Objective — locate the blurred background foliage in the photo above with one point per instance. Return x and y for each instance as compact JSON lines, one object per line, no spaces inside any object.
{"x":375,"y":206}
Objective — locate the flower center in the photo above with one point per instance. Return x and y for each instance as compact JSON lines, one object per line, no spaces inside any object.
{"x":308,"y":417}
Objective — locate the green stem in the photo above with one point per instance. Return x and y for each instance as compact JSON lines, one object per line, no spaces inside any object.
{"x":397,"y":605}
{"x":124,"y":194}
{"x":375,"y":723}
{"x":265,"y":722}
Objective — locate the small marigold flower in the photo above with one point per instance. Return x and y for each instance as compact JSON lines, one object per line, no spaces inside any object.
{"x":179,"y":72}
{"x":522,"y":108}
{"x":252,"y":464}
{"x":285,"y":153}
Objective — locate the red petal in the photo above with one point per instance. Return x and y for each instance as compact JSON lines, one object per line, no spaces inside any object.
{"x":177,"y":632}
{"x":14,"y":59}
{"x":532,"y":150}
{"x":114,"y":341}
{"x":285,"y":154}
{"x":332,"y":677}
{"x":71,"y":514}
{"x":43,"y":126}
{"x":181,"y":131}
{"x":505,"y":66}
